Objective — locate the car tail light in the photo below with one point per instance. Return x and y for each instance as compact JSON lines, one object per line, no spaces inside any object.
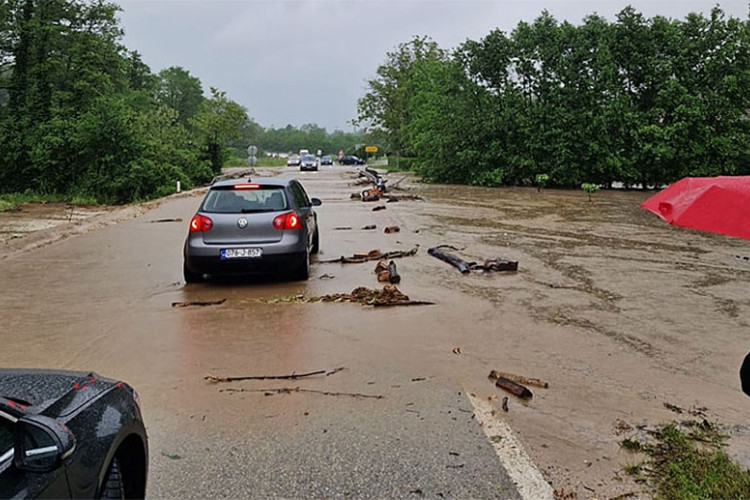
{"x":289,"y":220}
{"x":200,"y":223}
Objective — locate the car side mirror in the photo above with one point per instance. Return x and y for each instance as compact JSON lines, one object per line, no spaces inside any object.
{"x":41,"y":443}
{"x":316,"y":202}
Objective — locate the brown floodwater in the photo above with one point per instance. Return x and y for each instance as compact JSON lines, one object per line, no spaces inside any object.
{"x":620,"y":312}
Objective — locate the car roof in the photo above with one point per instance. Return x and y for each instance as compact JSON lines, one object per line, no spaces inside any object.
{"x":263,"y":181}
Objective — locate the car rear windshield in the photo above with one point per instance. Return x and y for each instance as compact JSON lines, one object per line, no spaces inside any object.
{"x":227,"y":200}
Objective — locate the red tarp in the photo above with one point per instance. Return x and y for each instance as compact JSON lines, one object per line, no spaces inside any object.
{"x":714,"y":204}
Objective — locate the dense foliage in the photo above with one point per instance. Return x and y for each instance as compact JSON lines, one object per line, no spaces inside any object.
{"x":311,"y":137}
{"x":81,"y":117}
{"x":638,"y":101}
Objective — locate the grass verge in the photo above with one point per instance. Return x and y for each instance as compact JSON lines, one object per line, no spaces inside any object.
{"x":10,"y":201}
{"x":686,"y":460}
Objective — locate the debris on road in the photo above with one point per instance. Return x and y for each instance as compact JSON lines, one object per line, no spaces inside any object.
{"x":505,"y":403}
{"x":392,"y":229}
{"x":200,"y":303}
{"x":372,"y":194}
{"x":369,"y":227}
{"x":373,"y":176}
{"x":513,"y":388}
{"x":388,"y":296}
{"x":157,"y":221}
{"x":379,"y":207}
{"x":457,"y":351}
{"x":342,"y":228}
{"x":451,"y":259}
{"x":359,"y":258}
{"x":498,"y":265}
{"x":326,"y":276}
{"x":492,"y":264}
{"x":293,"y":376}
{"x":392,"y":198}
{"x":494,"y":375}
{"x":385,"y":297}
{"x":387,"y":272}
{"x":673,"y":408}
{"x":290,"y":390}
{"x":233,"y":175}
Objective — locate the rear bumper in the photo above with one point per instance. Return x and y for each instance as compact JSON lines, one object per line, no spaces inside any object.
{"x":202,"y":258}
{"x":267,"y":264}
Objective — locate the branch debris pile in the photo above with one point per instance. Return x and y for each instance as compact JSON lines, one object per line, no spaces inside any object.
{"x":389,"y":295}
{"x":360,"y":257}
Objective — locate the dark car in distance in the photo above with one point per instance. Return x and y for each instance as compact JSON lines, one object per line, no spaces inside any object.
{"x":70,"y":435}
{"x":252,"y":226}
{"x":351,"y":160}
{"x":308,"y":162}
{"x":326,"y":160}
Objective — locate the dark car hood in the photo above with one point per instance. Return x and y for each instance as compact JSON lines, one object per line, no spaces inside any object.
{"x":51,"y":392}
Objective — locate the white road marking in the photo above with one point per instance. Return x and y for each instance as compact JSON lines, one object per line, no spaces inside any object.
{"x":529,"y":480}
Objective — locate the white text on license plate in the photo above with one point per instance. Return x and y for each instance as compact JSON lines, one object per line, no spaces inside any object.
{"x":240,"y":253}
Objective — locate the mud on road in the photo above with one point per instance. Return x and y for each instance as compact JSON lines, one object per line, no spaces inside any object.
{"x":618,"y":311}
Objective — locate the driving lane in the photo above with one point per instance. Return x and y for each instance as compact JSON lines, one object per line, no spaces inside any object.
{"x":395,"y":422}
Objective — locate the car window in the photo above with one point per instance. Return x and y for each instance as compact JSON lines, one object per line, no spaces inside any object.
{"x":229,"y":201}
{"x":300,"y":195}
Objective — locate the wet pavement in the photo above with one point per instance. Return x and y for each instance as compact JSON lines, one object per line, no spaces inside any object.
{"x":619,"y":312}
{"x":387,"y":425}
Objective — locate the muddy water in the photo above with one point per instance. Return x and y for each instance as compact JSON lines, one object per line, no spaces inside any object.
{"x":618,"y":311}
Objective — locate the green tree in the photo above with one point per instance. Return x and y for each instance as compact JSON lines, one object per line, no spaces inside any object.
{"x":219,"y":120}
{"x":80,"y":116}
{"x":385,"y":108}
{"x":178,"y":89}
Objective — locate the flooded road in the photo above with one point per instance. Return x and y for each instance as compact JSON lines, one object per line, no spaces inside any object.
{"x":619,"y":312}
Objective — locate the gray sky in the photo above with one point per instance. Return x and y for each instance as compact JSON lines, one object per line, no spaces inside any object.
{"x":308,"y":61}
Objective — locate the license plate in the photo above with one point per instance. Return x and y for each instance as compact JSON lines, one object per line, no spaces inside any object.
{"x":241,"y":253}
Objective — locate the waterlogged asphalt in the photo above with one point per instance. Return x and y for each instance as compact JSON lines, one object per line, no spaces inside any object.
{"x":618,"y":311}
{"x":393,"y":423}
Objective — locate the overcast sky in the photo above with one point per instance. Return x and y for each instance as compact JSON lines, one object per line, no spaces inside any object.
{"x":308,"y":61}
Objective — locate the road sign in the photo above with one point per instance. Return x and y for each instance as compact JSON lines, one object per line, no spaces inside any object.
{"x":371,"y":149}
{"x":251,"y":150}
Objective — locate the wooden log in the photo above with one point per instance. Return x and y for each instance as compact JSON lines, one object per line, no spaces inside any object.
{"x":393,"y":276}
{"x":500,"y":265}
{"x":381,"y":269}
{"x":494,"y":375}
{"x":513,"y":388}
{"x":457,"y":262}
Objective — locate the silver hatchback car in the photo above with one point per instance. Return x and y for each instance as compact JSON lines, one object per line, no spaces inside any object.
{"x":249,"y":226}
